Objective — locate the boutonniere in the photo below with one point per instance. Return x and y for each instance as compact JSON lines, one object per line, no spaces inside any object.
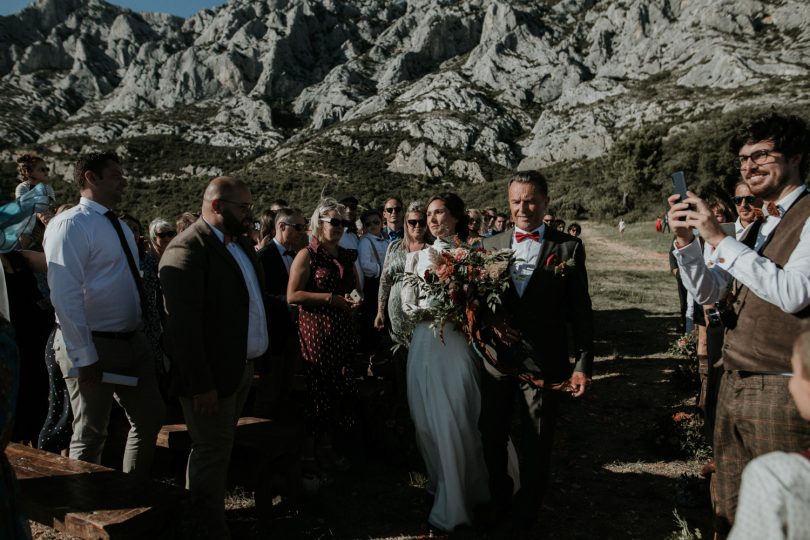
{"x":559,"y":268}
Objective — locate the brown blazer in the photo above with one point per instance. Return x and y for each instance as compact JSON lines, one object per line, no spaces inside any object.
{"x":207,"y":304}
{"x":551,"y":304}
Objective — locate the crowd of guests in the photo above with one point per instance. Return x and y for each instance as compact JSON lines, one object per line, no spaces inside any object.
{"x":95,"y":296}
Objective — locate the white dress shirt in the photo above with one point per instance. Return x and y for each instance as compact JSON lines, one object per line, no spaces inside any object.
{"x":288,"y":259}
{"x":739,"y":230}
{"x":92,"y":287}
{"x":257,"y":338}
{"x":787,"y":288}
{"x":371,"y":252}
{"x":526,"y":254}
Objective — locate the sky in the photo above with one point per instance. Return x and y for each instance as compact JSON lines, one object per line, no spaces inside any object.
{"x":183,"y":8}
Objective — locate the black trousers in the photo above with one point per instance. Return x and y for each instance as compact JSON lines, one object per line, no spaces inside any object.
{"x":537,"y":410}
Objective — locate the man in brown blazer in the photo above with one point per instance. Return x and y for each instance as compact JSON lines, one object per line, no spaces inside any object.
{"x":217,"y":325}
{"x":547,"y":296}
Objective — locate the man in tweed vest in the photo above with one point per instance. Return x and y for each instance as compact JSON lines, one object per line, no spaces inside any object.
{"x":766,"y":278}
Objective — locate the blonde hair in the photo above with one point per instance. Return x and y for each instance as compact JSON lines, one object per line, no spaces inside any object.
{"x":325,"y":205}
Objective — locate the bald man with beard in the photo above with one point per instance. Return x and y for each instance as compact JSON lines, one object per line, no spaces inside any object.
{"x":216,"y":326}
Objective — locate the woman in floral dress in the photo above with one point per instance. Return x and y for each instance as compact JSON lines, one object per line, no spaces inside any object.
{"x":322,"y":278}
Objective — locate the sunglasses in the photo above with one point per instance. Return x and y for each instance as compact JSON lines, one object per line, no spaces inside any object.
{"x":417,"y":222}
{"x":299,"y":227}
{"x":166,"y":234}
{"x":748,"y":199}
{"x":372,"y":223}
{"x":392,"y":209}
{"x":335,"y":222}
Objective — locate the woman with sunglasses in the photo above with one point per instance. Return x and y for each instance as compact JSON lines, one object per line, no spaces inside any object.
{"x":160,"y":234}
{"x":322,"y":279}
{"x":400,"y":326}
{"x":475,"y":221}
{"x":443,"y":385}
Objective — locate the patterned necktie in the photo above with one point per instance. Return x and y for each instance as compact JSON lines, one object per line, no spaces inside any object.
{"x":521,"y":236}
{"x":133,"y":268}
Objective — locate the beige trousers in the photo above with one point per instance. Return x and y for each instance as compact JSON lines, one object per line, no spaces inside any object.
{"x":91,"y":403}
{"x":212,"y":439}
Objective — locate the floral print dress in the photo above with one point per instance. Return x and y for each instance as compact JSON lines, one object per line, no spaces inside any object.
{"x":328,"y":338}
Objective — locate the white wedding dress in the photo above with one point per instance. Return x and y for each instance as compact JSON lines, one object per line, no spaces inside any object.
{"x":445,"y":403}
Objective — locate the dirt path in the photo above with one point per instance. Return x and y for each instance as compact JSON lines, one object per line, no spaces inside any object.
{"x":613,"y":251}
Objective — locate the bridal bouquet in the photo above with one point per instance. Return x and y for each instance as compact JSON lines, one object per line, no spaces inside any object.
{"x":461,"y":281}
{"x":464,"y":282}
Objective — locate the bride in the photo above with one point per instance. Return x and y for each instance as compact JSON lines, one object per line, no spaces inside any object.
{"x":443,"y":387}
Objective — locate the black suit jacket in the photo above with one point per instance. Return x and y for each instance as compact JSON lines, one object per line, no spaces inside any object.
{"x":552,"y":303}
{"x":276,"y":278}
{"x":207,"y":303}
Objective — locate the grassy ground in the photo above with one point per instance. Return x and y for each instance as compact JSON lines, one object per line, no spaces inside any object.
{"x":612,"y":477}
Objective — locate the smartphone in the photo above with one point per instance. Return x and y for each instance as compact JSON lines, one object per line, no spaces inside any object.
{"x":679,"y":186}
{"x":355,"y":296}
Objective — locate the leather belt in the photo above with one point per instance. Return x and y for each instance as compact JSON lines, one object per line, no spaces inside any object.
{"x":743,"y":374}
{"x":122,"y":336}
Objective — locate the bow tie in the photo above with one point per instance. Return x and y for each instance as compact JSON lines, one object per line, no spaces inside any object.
{"x":773,"y":210}
{"x":521,"y":236}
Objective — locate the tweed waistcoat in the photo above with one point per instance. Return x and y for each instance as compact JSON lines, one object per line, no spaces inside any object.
{"x":763,"y":339}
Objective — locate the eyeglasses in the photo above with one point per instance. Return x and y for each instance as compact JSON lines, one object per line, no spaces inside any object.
{"x":166,"y":234}
{"x":748,"y":199}
{"x":244,"y":207}
{"x":760,"y":157}
{"x":417,"y":222}
{"x":392,"y":209}
{"x":335,"y":222}
{"x":372,"y":223}
{"x":299,"y":227}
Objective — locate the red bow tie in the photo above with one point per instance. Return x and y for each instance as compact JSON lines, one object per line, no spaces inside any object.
{"x":773,"y":210}
{"x":521,"y":236}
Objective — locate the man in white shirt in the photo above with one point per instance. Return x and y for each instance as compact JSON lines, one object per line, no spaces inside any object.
{"x":547,"y":301}
{"x":213,"y":287}
{"x":768,"y":275}
{"x":96,"y":292}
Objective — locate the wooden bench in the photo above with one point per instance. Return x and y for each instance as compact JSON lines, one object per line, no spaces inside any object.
{"x":90,"y":501}
{"x":176,"y":437}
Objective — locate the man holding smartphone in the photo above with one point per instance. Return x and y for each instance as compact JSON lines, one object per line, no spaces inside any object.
{"x":768,"y":273}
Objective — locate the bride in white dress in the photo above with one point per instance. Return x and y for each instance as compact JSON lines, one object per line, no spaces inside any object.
{"x":443,"y":388}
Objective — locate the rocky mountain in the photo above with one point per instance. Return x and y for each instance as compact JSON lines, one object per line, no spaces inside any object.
{"x":326,"y":93}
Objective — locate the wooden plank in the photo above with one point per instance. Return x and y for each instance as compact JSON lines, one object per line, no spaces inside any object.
{"x":88,"y":500}
{"x":176,"y":437}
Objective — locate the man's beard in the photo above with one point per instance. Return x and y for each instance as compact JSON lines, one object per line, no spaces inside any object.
{"x":234,"y":226}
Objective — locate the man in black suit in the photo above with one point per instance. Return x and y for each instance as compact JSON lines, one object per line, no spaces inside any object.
{"x":547,"y":296}
{"x":278,"y":365}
